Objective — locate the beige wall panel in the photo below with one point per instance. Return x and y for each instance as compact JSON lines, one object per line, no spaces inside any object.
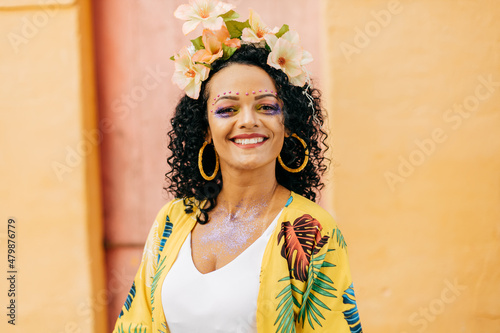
{"x":49,"y":171}
{"x":413,"y":89}
{"x":40,"y":4}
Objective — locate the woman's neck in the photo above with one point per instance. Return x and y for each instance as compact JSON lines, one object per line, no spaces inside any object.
{"x":246,"y":189}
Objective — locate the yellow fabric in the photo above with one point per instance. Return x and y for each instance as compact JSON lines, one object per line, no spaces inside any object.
{"x":305,"y":281}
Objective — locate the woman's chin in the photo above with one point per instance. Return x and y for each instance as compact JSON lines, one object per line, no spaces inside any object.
{"x":254,"y":164}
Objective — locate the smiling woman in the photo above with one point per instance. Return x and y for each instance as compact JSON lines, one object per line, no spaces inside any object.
{"x":243,"y":247}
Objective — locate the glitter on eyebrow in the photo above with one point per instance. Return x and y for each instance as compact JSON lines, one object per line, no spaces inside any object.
{"x":237,"y":93}
{"x":266,"y":90}
{"x":246,"y":93}
{"x":229,"y":92}
{"x":224,"y":93}
{"x":260,"y":90}
{"x":218,"y":95}
{"x":253,"y":92}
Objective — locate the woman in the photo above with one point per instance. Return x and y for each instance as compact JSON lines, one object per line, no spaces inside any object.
{"x":243,"y":248}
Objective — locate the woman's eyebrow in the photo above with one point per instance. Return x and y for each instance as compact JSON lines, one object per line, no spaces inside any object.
{"x":234,"y":98}
{"x":237,"y":98}
{"x":265,"y":95}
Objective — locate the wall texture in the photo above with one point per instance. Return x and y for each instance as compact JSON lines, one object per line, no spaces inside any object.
{"x":413,"y":90}
{"x":49,"y":166}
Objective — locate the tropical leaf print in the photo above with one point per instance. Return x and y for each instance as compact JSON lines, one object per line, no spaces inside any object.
{"x":163,"y":328}
{"x":286,"y":317}
{"x":340,"y":238}
{"x":299,"y":242}
{"x":318,"y":286}
{"x":352,"y":315}
{"x":149,"y":256}
{"x":128,"y":301}
{"x":156,"y":279}
{"x":136,"y":329}
{"x":167,"y":231}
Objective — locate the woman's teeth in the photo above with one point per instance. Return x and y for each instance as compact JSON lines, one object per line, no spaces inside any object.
{"x":249,"y":141}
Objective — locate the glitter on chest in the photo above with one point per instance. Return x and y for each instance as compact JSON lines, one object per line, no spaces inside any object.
{"x":230,"y":233}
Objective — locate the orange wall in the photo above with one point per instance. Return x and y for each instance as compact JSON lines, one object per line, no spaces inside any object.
{"x":413,"y":90}
{"x":49,"y":169}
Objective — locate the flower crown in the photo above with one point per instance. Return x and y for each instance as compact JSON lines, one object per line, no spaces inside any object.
{"x":223,"y":35}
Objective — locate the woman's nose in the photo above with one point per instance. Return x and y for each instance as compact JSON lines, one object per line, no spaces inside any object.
{"x":248,"y":118}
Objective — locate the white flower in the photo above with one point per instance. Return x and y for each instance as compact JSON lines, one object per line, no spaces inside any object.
{"x":287,"y":55}
{"x":257,"y":31}
{"x":206,"y":12}
{"x":188,"y":75}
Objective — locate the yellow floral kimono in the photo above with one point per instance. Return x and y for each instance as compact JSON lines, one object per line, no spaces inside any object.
{"x":305,"y":281}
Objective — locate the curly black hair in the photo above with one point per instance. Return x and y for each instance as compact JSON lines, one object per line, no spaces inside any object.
{"x":190,"y":125}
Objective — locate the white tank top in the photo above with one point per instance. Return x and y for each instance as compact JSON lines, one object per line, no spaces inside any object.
{"x":224,"y":300}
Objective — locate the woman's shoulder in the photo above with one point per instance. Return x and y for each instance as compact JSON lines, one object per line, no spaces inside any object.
{"x":299,"y":206}
{"x":174,"y":211}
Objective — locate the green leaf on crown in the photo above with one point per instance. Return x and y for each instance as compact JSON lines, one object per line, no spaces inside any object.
{"x":230,"y":15}
{"x":228,"y":51}
{"x":198,"y":43}
{"x":204,"y":64}
{"x":235,"y":28}
{"x":284,"y":29}
{"x":172,"y":58}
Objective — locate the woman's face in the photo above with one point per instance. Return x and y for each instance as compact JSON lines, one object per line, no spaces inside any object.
{"x":245,"y":118}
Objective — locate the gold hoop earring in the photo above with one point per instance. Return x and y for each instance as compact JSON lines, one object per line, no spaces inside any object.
{"x":306,"y":158}
{"x":200,"y":163}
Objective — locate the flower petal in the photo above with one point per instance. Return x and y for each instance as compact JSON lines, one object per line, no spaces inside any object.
{"x":299,"y":80}
{"x":248,"y":35}
{"x":180,"y":80}
{"x":235,"y":42}
{"x":255,"y":21}
{"x":193,"y":89}
{"x":184,"y":12}
{"x":222,"y":34}
{"x":271,"y":40}
{"x":211,"y":42}
{"x":213,"y":23}
{"x":306,"y":58}
{"x":223,"y":8}
{"x":292,"y":37}
{"x":189,"y":26}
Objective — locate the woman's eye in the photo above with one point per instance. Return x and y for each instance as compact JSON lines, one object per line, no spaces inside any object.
{"x":269,"y":108}
{"x":225,"y":111}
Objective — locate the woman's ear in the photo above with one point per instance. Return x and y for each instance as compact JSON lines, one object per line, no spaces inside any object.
{"x":287,"y":133}
{"x":208,"y":137}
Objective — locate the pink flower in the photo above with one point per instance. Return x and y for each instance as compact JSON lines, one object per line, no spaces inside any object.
{"x":206,"y":12}
{"x":257,"y":31}
{"x":213,"y":40}
{"x":188,"y":75}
